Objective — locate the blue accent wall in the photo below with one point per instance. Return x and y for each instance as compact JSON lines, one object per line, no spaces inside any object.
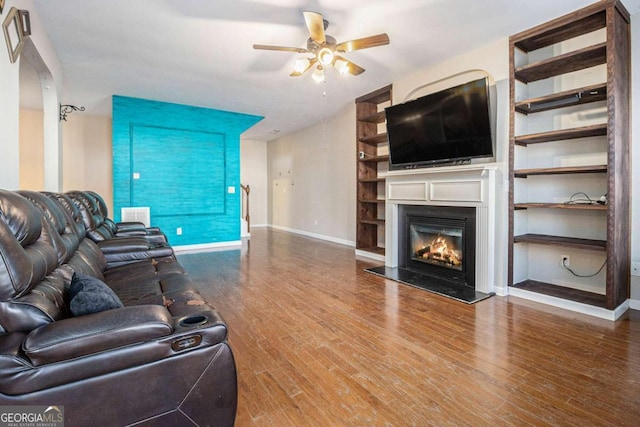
{"x":184,"y":159}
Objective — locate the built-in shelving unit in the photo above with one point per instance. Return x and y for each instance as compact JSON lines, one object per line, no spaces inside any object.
{"x":371,"y":151}
{"x":569,"y":130}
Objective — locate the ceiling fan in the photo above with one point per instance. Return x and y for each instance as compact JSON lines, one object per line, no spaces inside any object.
{"x":325,"y":50}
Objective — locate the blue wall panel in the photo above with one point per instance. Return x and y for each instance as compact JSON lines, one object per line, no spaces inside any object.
{"x":179,"y":160}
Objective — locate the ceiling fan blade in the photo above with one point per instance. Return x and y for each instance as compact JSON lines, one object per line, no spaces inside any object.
{"x":315,"y":24}
{"x":363,"y":43}
{"x":311,"y":64}
{"x":354,"y":69}
{"x":280,"y":48}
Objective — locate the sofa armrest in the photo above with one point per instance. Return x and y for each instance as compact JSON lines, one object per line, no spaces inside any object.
{"x":81,"y":336}
{"x":131,"y":226}
{"x":124,"y":244}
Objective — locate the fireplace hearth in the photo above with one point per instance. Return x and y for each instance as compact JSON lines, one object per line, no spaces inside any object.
{"x":437,"y":251}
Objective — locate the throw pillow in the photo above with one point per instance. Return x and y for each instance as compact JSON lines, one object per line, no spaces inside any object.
{"x":90,"y":295}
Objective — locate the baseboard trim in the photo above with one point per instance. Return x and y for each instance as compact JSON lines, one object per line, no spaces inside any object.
{"x":314,"y":235}
{"x":370,"y":255}
{"x":205,"y":247}
{"x":634,"y":304}
{"x":590,"y":310}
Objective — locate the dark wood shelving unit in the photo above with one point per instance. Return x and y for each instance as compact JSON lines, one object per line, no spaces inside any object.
{"x":375,"y":139}
{"x":571,"y":206}
{"x":379,"y":117}
{"x":569,"y":98}
{"x":561,"y":135}
{"x":583,"y":22}
{"x":563,"y":292}
{"x":571,"y":242}
{"x":614,"y":92}
{"x":375,"y":159}
{"x":370,"y":207}
{"x":523,"y":173}
{"x":561,"y":64}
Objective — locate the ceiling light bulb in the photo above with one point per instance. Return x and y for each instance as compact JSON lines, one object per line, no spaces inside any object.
{"x":341,"y":66}
{"x":325,"y":56}
{"x":318,"y":74}
{"x":301,"y":65}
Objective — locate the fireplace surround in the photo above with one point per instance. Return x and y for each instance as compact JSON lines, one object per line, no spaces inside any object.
{"x":472,"y":186}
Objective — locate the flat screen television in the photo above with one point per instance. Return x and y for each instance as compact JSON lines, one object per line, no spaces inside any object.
{"x":452,"y":125}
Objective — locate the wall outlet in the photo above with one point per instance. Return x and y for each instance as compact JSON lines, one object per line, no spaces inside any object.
{"x":565,"y":261}
{"x":179,"y":231}
{"x":635,"y":268}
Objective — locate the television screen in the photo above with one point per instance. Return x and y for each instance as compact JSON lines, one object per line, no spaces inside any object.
{"x":446,"y":126}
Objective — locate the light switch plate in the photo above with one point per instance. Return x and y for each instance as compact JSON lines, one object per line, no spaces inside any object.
{"x":635,"y":268}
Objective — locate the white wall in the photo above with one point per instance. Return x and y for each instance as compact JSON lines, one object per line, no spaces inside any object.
{"x":87,"y":155}
{"x":10,"y":100}
{"x":635,"y":153}
{"x":312,"y":179}
{"x":253,"y":172}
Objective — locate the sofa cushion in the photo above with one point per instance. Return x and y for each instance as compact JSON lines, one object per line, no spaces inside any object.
{"x":89,"y":295}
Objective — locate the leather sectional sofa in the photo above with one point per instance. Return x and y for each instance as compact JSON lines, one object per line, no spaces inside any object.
{"x":113,"y":331}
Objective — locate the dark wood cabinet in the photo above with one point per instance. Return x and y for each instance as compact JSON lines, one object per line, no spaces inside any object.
{"x":372,"y":159}
{"x":565,"y":73}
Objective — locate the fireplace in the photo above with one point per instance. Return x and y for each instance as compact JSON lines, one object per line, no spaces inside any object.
{"x":438,"y":241}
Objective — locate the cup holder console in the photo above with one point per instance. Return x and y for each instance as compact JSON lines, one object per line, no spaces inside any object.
{"x":194,"y":320}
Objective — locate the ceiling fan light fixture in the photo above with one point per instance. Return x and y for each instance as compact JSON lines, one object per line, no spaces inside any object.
{"x":301,"y":65}
{"x":325,"y":56}
{"x":341,"y":66}
{"x":318,"y":74}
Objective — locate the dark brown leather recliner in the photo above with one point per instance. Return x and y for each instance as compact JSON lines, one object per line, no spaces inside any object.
{"x":95,"y":215}
{"x":126,"y":228}
{"x":118,"y":250}
{"x":162,"y":359}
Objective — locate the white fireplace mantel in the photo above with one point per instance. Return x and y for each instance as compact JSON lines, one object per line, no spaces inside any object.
{"x":473,"y":185}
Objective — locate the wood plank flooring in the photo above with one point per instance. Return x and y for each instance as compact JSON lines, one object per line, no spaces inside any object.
{"x":320,"y":342}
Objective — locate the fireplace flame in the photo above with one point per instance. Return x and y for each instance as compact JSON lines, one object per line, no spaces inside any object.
{"x":439,"y":251}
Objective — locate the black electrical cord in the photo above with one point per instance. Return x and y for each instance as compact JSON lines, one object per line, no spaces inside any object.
{"x":564,"y":261}
{"x":586,"y":200}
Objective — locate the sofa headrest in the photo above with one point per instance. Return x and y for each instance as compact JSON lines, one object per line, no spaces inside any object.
{"x":88,"y":209}
{"x":65,"y":240}
{"x":27,"y":254}
{"x":101,"y":204}
{"x":74,"y":218}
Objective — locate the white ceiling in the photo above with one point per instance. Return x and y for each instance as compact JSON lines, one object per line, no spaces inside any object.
{"x":199,"y":52}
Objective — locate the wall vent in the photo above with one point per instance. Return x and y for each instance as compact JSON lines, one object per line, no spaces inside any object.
{"x":137,"y":214}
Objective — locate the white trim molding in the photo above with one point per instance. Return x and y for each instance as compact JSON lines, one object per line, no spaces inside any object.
{"x":314,"y":235}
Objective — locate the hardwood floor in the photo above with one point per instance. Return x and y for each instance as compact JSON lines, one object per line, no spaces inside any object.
{"x":320,"y":342}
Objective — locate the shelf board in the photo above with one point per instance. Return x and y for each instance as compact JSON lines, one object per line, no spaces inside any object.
{"x":371,"y":200}
{"x":370,"y":180}
{"x":375,"y":139}
{"x":375,"y":159}
{"x":561,"y":64}
{"x":572,"y":242}
{"x":561,"y":135}
{"x":379,"y":117}
{"x":579,"y":96}
{"x":375,"y":250}
{"x":569,"y":30}
{"x":376,"y":97}
{"x":563,"y":292}
{"x":372,"y":221}
{"x":571,"y":206}
{"x":523,"y":173}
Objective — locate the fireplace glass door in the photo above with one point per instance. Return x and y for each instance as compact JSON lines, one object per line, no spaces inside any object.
{"x":437,"y":245}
